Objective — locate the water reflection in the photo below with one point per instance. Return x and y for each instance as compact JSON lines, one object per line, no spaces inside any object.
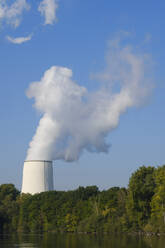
{"x":50,"y":240}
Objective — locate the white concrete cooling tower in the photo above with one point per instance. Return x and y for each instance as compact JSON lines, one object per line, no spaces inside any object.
{"x":37,"y":176}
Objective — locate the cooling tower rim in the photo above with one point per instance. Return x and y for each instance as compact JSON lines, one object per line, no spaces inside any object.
{"x":48,"y":161}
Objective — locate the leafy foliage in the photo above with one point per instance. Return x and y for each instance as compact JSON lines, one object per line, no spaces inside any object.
{"x":140,"y":192}
{"x":158,"y":201}
{"x":141,"y":207}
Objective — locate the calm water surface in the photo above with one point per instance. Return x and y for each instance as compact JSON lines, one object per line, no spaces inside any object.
{"x":80,"y":241}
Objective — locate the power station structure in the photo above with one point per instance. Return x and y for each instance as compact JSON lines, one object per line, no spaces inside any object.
{"x":37,"y":176}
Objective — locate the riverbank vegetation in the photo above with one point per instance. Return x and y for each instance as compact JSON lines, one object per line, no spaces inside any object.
{"x":138,"y":208}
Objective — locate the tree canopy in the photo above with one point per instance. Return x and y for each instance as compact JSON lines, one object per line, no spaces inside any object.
{"x":140,"y":207}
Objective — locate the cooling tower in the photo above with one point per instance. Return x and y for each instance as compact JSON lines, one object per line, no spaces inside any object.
{"x":37,"y":176}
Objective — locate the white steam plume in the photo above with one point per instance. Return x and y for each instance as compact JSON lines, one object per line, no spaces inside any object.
{"x":75,"y":120}
{"x":12,"y":13}
{"x":18,"y":40}
{"x":48,"y":9}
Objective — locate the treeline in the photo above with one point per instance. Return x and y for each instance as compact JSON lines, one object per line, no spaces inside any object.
{"x":139,"y":208}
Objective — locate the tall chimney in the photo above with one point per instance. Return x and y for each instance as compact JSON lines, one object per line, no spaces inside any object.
{"x":37,"y":176}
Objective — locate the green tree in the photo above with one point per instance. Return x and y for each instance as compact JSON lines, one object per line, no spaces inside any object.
{"x":9,"y":208}
{"x":140,"y":192}
{"x":158,"y":201}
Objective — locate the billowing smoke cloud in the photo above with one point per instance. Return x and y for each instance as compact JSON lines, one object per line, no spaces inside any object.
{"x":75,"y":120}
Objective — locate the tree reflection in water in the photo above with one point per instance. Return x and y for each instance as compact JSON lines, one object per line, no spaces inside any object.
{"x":54,"y":240}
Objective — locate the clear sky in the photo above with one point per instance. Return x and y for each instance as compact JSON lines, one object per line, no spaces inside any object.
{"x":75,"y":34}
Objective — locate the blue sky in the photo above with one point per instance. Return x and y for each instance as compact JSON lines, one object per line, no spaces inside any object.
{"x":78,"y":39}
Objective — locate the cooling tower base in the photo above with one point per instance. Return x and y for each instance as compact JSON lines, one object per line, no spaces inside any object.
{"x":37,"y":176}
